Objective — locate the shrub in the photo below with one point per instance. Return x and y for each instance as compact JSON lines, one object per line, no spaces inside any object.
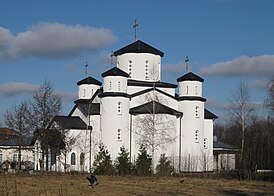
{"x":102,"y":164}
{"x":164,"y":168}
{"x":123,"y":165}
{"x":143,"y":162}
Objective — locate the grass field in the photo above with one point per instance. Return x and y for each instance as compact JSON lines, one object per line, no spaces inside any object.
{"x":77,"y":184}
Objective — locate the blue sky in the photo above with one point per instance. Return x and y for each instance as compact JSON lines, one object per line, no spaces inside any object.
{"x":226,"y":40}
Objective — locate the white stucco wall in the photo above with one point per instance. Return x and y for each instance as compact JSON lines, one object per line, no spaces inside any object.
{"x":138,"y":66}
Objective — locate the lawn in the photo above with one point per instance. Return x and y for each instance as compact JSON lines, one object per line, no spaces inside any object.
{"x":77,"y":184}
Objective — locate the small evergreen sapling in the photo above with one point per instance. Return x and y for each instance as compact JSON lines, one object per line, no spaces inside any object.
{"x":102,"y":164}
{"x":143,"y":163}
{"x":122,"y":164}
{"x":164,"y":168}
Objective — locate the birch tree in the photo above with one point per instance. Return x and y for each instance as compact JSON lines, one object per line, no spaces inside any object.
{"x":240,"y":109}
{"x":155,"y":130}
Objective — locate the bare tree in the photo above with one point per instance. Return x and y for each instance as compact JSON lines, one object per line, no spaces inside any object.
{"x":18,"y":118}
{"x":46,"y":104}
{"x":269,"y":102}
{"x":240,"y":109}
{"x":155,"y":130}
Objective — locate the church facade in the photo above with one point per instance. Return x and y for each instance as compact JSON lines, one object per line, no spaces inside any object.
{"x":131,"y":107}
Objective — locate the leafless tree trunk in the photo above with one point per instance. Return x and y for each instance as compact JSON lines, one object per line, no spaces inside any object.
{"x":154,"y":130}
{"x":18,"y":118}
{"x":240,"y":109}
{"x":46,"y":104}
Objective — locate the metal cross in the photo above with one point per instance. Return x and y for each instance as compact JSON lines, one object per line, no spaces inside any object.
{"x":186,"y":61}
{"x":86,"y":65}
{"x":135,"y":29}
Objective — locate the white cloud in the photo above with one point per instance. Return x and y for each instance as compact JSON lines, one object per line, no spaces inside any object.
{"x":16,"y":88}
{"x":67,"y":96}
{"x":53,"y":40}
{"x":243,"y":65}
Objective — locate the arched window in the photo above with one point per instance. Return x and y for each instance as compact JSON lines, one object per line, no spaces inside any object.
{"x":205,"y":143}
{"x":119,"y":135}
{"x":197,"y":112}
{"x":73,"y":159}
{"x":197,"y":136}
{"x":82,"y":158}
{"x":119,"y":108}
{"x":15,"y":155}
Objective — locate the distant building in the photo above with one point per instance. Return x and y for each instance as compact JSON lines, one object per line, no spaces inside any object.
{"x":9,"y":147}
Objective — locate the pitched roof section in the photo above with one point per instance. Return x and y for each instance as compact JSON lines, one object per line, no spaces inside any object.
{"x":209,"y":115}
{"x":149,"y":90}
{"x":151,"y":84}
{"x":69,"y":122}
{"x":89,"y":80}
{"x":26,"y":141}
{"x":147,"y":108}
{"x":115,"y":71}
{"x":138,"y":47}
{"x":87,"y":107}
{"x":191,"y":77}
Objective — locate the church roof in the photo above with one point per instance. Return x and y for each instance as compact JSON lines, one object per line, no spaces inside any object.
{"x":69,"y":122}
{"x":210,"y":115}
{"x":87,"y":107}
{"x":151,"y":89}
{"x":26,"y":141}
{"x":190,"y":76}
{"x":138,"y":47}
{"x":115,"y":71}
{"x":147,"y":108}
{"x":89,"y":80}
{"x":150,"y":84}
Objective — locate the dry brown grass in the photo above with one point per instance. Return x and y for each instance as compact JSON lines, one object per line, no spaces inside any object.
{"x":77,"y":184}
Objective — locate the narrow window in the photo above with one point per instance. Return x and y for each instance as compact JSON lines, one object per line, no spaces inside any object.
{"x":197,"y":112}
{"x":196,"y":90}
{"x":119,"y":85}
{"x":146,"y":70}
{"x":187,"y":90}
{"x":82,"y":158}
{"x":197,"y":136}
{"x":119,"y":135}
{"x":15,"y":157}
{"x":72,"y":159}
{"x":119,"y":108}
{"x":84,"y":93}
{"x":130,"y":68}
{"x":109,"y":85}
{"x":205,"y":143}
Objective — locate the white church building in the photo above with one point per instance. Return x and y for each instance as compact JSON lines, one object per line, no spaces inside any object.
{"x":133,"y":106}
